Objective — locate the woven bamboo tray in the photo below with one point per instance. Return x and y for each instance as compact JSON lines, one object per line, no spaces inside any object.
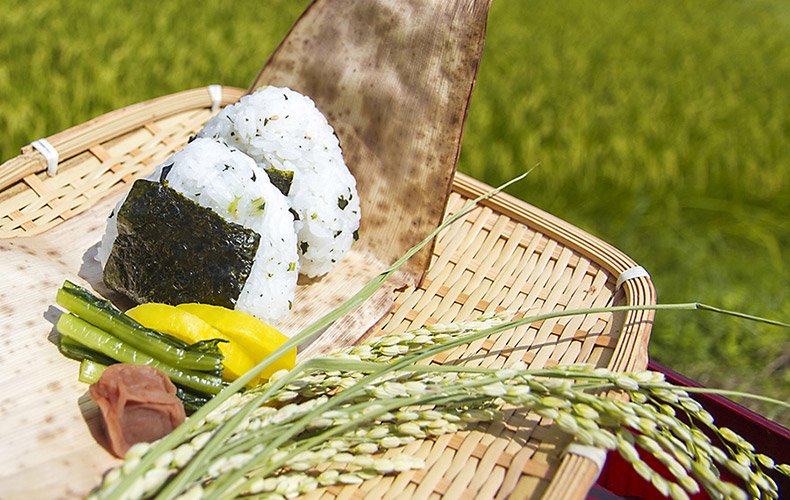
{"x":503,"y":256}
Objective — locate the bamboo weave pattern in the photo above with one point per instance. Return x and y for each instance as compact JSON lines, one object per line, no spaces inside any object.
{"x":504,"y":256}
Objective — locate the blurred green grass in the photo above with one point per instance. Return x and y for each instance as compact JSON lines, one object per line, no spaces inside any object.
{"x":661,"y":127}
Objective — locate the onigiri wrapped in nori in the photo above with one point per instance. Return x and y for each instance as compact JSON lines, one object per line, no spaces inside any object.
{"x":293,"y":143}
{"x":230,"y":241}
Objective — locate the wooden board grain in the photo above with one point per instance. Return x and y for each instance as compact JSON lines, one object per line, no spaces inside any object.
{"x":49,"y":446}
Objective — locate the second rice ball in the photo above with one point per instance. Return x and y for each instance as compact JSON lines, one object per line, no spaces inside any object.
{"x":293,"y":143}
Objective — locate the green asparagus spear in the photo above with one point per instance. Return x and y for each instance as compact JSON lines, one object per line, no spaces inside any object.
{"x":96,"y":339}
{"x":90,"y":371}
{"x":192,"y":401}
{"x":74,"y":350}
{"x":105,"y":316}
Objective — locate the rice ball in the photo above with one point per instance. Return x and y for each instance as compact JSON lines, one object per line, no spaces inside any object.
{"x":227,"y":181}
{"x":287,"y":136}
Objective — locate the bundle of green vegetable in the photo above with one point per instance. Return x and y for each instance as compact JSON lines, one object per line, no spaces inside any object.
{"x":98,"y":334}
{"x":324,"y":422}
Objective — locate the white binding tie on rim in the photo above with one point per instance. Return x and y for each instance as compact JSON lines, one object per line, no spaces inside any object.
{"x":50,"y":154}
{"x":630,"y":274}
{"x":597,"y":455}
{"x":215,"y":91}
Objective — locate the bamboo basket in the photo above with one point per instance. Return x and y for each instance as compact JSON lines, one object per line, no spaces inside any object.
{"x":503,"y":256}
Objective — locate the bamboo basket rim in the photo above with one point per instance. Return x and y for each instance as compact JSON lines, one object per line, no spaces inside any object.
{"x":630,"y":351}
{"x":79,"y":138}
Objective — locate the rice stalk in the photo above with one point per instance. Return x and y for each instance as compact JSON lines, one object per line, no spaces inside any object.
{"x":344,"y":408}
{"x":189,"y":426}
{"x":279,"y":439}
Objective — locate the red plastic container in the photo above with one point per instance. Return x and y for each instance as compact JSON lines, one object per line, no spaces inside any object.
{"x":619,"y":479}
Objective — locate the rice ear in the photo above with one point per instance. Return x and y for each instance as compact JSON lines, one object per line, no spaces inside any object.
{"x":394,"y":79}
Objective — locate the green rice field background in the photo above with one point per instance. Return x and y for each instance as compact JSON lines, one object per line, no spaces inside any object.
{"x":661,"y":127}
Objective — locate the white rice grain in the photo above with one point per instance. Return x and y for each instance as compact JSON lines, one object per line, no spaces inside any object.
{"x":282,"y":129}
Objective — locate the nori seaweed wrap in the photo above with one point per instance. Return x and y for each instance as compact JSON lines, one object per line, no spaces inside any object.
{"x":206,"y":226}
{"x":197,"y":256}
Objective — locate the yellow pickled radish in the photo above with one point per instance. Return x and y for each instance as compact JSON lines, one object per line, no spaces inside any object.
{"x":256,"y":337}
{"x":190,"y":328}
